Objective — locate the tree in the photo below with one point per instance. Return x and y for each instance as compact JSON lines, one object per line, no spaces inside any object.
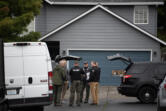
{"x":162,"y":21}
{"x":15,"y":16}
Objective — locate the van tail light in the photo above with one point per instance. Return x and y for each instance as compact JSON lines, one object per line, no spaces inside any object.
{"x":50,"y":80}
{"x":165,"y":86}
{"x":50,"y":75}
{"x":126,"y":77}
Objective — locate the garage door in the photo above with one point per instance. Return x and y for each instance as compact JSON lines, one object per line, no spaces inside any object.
{"x":107,"y":66}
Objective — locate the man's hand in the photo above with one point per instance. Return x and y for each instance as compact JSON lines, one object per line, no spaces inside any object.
{"x":89,"y":83}
{"x":66,"y":82}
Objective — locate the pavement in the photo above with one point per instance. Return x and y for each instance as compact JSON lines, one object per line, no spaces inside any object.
{"x":109,"y":100}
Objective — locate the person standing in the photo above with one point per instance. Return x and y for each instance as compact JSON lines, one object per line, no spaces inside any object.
{"x":58,"y":80}
{"x":94,"y":81}
{"x":65,"y":85}
{"x":85,"y":83}
{"x":75,"y":76}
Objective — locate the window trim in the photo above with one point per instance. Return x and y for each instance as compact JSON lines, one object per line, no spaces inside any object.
{"x":147,"y":14}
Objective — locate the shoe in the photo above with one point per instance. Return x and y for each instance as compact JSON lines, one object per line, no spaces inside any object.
{"x":70,"y":105}
{"x":78,"y":105}
{"x":63,"y":102}
{"x":85,"y":102}
{"x":80,"y":101}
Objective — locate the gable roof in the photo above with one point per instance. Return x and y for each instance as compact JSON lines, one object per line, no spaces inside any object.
{"x":105,"y":2}
{"x":111,"y":13}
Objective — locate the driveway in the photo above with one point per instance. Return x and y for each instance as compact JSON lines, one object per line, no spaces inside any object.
{"x":110,"y":100}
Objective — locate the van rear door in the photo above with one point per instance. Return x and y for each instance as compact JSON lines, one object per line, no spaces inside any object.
{"x":35,"y":71}
{"x":14,"y":73}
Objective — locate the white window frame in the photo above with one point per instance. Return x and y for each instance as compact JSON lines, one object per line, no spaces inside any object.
{"x":145,"y":7}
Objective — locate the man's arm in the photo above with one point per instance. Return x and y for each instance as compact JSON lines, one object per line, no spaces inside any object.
{"x":63,"y":75}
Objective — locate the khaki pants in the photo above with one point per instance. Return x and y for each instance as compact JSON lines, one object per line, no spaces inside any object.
{"x":94,"y":91}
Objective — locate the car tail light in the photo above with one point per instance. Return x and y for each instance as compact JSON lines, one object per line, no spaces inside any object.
{"x":165,"y":86}
{"x":126,"y":77}
{"x":50,"y":80}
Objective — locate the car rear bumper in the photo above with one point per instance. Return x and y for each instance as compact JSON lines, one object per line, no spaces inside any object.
{"x":162,"y":101}
{"x":127,"y":90}
{"x":41,"y":101}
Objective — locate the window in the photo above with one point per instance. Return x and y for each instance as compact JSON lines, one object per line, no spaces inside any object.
{"x":141,"y":14}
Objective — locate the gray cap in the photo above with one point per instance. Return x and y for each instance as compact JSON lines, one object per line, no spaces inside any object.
{"x":85,"y":62}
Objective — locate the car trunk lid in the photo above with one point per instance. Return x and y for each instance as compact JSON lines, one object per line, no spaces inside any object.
{"x":68,"y":57}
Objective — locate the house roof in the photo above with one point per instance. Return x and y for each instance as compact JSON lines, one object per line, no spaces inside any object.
{"x":105,"y":2}
{"x":111,"y":13}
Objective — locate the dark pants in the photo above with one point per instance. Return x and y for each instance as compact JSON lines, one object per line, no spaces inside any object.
{"x":57,"y":90}
{"x":75,"y":87}
{"x":84,"y":86}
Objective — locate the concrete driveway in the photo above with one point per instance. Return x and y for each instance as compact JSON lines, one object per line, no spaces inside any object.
{"x":110,"y":100}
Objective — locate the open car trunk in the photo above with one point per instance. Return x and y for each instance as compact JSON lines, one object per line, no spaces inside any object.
{"x":124,"y":59}
{"x":68,"y":57}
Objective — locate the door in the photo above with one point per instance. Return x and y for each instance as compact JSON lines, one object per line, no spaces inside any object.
{"x":14,"y":74}
{"x":107,"y":66}
{"x":35,"y":71}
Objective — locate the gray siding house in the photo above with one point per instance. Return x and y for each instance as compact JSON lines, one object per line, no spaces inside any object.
{"x":95,"y":29}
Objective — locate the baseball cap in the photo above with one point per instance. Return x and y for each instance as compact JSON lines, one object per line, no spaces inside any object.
{"x":85,"y":62}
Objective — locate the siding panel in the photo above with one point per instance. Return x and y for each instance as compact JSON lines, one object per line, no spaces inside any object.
{"x":59,"y":15}
{"x":127,"y":12}
{"x":53,"y":16}
{"x":90,"y":32}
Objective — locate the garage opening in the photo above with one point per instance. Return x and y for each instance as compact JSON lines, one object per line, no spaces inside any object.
{"x":54,"y":48}
{"x":106,"y":66}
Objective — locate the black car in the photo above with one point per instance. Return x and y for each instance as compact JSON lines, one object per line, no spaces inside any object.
{"x":141,"y":79}
{"x":3,"y":101}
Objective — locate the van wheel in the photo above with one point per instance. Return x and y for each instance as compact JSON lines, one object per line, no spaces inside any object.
{"x":147,"y":94}
{"x":4,"y":107}
{"x":36,"y":108}
{"x":39,"y":108}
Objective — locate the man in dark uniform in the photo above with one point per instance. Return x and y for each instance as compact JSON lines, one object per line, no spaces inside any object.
{"x":75,"y":75}
{"x":85,"y":83}
{"x":94,"y":82}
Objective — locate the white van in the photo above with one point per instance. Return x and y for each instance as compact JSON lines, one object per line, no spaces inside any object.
{"x":28,"y":74}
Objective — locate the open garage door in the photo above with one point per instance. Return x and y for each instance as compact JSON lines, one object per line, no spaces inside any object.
{"x":107,"y":66}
